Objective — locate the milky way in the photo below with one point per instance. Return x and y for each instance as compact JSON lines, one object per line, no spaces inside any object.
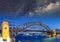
{"x":26,"y":7}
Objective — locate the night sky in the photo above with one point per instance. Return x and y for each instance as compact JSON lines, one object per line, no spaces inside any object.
{"x":22,"y":11}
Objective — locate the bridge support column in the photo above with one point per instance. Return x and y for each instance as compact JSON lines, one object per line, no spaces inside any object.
{"x":5,"y":31}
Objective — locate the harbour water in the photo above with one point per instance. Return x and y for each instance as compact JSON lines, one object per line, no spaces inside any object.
{"x":52,"y":39}
{"x":41,"y":38}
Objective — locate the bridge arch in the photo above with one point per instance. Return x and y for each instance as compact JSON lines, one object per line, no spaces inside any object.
{"x":29,"y":24}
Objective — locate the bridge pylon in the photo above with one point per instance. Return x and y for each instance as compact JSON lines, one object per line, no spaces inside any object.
{"x":5,"y":31}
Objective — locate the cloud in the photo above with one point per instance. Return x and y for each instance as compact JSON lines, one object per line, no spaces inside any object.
{"x":52,"y":6}
{"x":50,"y":9}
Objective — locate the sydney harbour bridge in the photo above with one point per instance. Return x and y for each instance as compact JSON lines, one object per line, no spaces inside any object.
{"x":27,"y":27}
